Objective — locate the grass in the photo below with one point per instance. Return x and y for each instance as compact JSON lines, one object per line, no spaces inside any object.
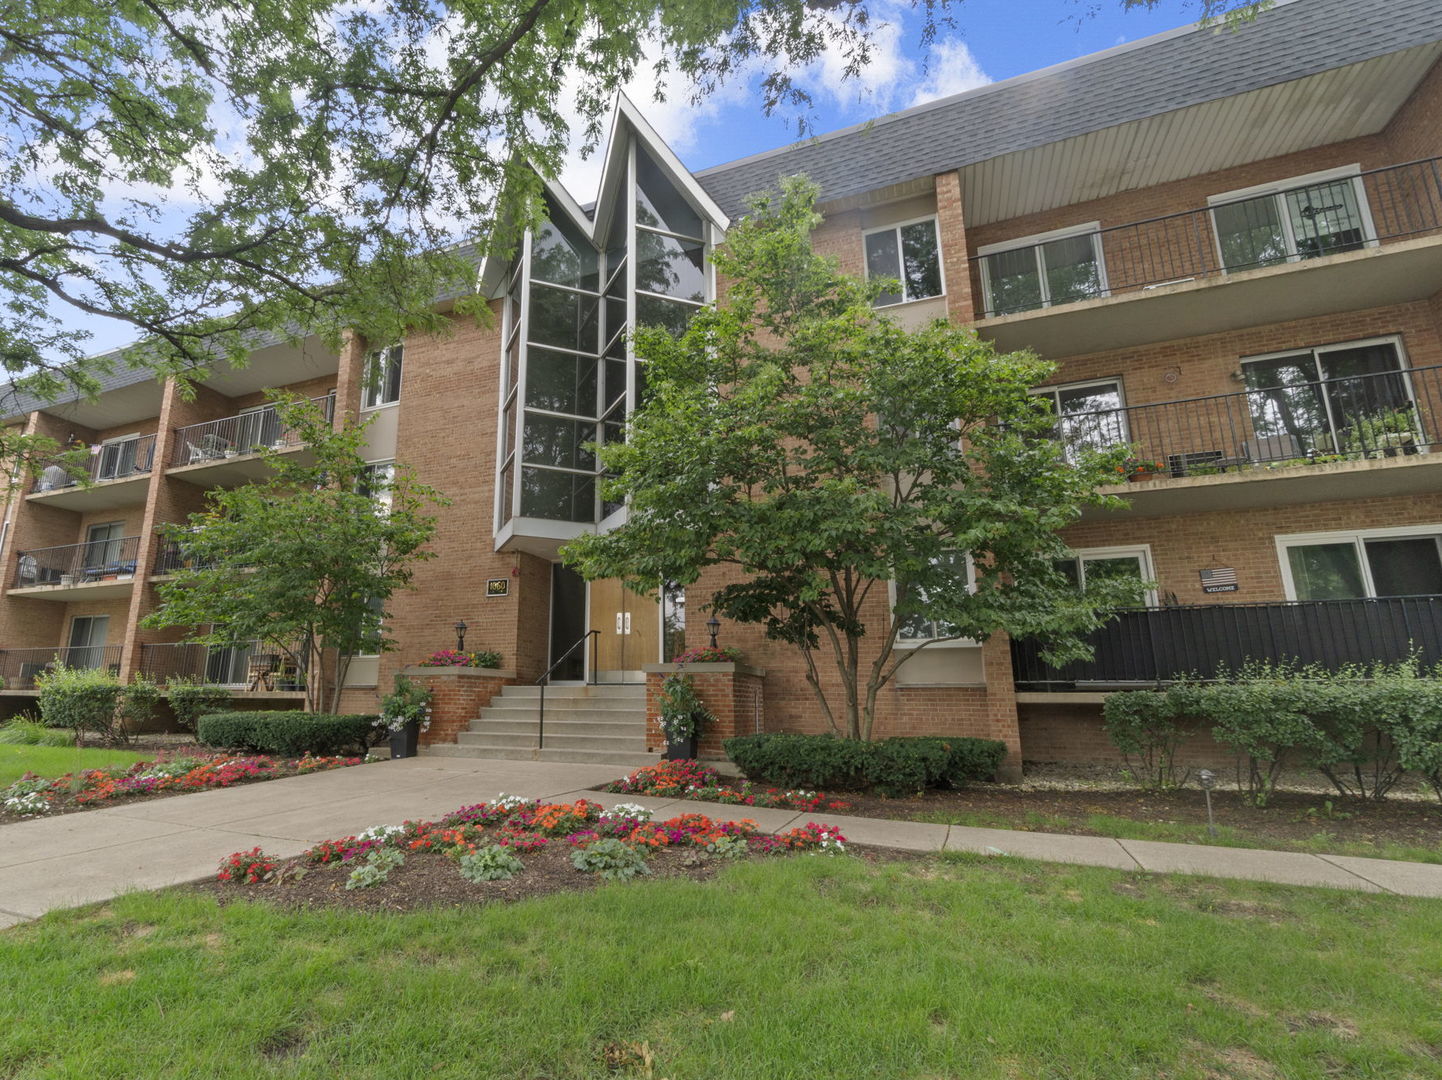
{"x":16,"y":761}
{"x":787,"y":969}
{"x":1124,"y":828}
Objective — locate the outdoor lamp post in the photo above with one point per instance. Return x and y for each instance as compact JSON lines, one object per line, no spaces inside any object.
{"x":713,"y":624}
{"x":461,"y":635}
{"x":1208,"y":780}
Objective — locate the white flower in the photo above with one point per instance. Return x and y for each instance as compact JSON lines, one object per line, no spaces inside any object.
{"x":624,"y":811}
{"x":381,"y":832}
{"x":508,"y":802}
{"x":28,"y":805}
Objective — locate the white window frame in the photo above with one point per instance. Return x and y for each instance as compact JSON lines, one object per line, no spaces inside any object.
{"x":932,"y":642}
{"x":896,"y":227}
{"x":1035,"y":241}
{"x":379,"y":386}
{"x":99,"y":453}
{"x":1053,"y":390}
{"x":1276,"y":189}
{"x":1141,"y":552}
{"x":1357,"y":538}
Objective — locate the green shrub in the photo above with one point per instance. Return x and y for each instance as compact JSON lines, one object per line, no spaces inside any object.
{"x":26,"y":730}
{"x":490,"y":863}
{"x":139,"y":702}
{"x":190,"y":699}
{"x":1411,"y":705}
{"x":610,"y":858}
{"x":288,"y":733}
{"x":895,"y":767}
{"x":683,"y":715}
{"x":81,"y":699}
{"x":1149,"y":726}
{"x":376,"y":869}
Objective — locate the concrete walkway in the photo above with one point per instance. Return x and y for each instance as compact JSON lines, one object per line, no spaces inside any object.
{"x":81,"y":858}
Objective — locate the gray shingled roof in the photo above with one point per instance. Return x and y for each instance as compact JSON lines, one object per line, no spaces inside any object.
{"x":1146,"y":78}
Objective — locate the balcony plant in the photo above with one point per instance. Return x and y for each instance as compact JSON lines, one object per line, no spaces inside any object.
{"x":405,"y":713}
{"x":1138,"y":468}
{"x":683,"y":717}
{"x":1382,"y":435}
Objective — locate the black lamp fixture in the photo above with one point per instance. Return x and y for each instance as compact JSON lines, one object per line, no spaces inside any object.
{"x":713,"y":624}
{"x":461,"y":635}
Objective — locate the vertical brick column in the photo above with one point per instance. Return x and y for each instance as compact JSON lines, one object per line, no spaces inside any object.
{"x":955,"y":255}
{"x":1001,"y":702}
{"x":457,"y":697}
{"x":733,"y":693}
{"x":350,"y":373}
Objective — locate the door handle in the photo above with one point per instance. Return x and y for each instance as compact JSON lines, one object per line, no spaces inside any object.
{"x":620,"y":623}
{"x":628,"y":623}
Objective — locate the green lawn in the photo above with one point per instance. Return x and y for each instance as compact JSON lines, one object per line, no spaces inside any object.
{"x":16,"y":761}
{"x":1125,"y":828}
{"x":805,"y":968}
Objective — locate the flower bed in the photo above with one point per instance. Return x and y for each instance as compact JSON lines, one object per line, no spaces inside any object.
{"x":504,"y":839}
{"x":32,"y":796}
{"x":692,"y":780}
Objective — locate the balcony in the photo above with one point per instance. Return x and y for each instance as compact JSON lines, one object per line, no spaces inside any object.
{"x":118,"y":476}
{"x":1154,"y":646}
{"x":1307,"y":441}
{"x":1366,"y":240}
{"x":18,"y":667}
{"x":218,"y":453}
{"x":244,"y":668}
{"x":96,"y":570}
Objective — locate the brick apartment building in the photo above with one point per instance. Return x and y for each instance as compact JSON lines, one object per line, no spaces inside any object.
{"x":1230,"y":243}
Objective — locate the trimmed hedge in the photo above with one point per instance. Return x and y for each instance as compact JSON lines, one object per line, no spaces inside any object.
{"x":895,"y":767}
{"x":289,"y":733}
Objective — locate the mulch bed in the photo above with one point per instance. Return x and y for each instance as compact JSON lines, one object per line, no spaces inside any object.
{"x":428,"y":880}
{"x":1290,"y":816}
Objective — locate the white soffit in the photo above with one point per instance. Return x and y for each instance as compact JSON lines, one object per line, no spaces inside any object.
{"x":1332,"y":106}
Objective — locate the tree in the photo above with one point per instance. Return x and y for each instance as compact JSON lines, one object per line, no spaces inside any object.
{"x":305,"y":560}
{"x":213,"y":174}
{"x":801,"y":440}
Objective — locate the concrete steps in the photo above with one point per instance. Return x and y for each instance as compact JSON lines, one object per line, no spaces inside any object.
{"x":604,"y":725}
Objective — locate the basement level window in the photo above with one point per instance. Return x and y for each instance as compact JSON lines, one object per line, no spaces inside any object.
{"x":911,"y":254}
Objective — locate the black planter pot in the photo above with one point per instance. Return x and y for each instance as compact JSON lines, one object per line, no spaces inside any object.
{"x":684,"y":750}
{"x":405,"y":742}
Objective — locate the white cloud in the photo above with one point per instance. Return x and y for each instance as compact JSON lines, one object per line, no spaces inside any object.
{"x":951,"y":69}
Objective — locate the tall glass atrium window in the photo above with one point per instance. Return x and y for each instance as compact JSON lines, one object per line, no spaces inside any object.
{"x":570,"y":373}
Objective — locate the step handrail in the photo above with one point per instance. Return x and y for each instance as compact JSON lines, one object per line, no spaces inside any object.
{"x":546,"y":678}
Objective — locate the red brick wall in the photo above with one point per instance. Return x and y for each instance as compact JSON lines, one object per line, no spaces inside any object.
{"x":457,"y":698}
{"x":734,"y":698}
{"x":1074,"y":733}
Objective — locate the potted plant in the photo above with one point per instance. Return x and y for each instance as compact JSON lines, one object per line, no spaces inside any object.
{"x":1137,"y":468}
{"x":405,"y":713}
{"x":683,"y":717}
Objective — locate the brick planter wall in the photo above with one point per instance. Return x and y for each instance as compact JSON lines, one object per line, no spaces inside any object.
{"x":457,"y":697}
{"x":731,"y":692}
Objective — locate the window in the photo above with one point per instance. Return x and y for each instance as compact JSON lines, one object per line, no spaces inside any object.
{"x":1090,"y":415}
{"x":103,"y":546}
{"x":910,"y":253}
{"x":1353,"y":398}
{"x":919,"y":628}
{"x":376,"y":483}
{"x":1094,"y":564}
{"x":87,"y":641}
{"x":1350,"y":565}
{"x":383,"y":377}
{"x":119,"y":458}
{"x":1299,"y":218}
{"x":1040,"y":271}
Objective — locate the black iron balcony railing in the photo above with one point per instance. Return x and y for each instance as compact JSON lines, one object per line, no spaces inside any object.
{"x":18,"y":667}
{"x":171,"y":556}
{"x":1323,"y":218}
{"x":111,"y":461}
{"x":260,"y":429}
{"x":244,"y":666}
{"x":78,"y":564}
{"x":1153,"y":646}
{"x":1382,"y":414}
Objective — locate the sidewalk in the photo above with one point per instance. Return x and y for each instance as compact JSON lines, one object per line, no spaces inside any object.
{"x":81,"y":858}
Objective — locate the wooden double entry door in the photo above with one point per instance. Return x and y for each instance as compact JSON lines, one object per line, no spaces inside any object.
{"x":627,"y":629}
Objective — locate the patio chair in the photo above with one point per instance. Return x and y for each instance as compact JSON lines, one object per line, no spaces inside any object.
{"x":261,"y":671}
{"x":210,"y":448}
